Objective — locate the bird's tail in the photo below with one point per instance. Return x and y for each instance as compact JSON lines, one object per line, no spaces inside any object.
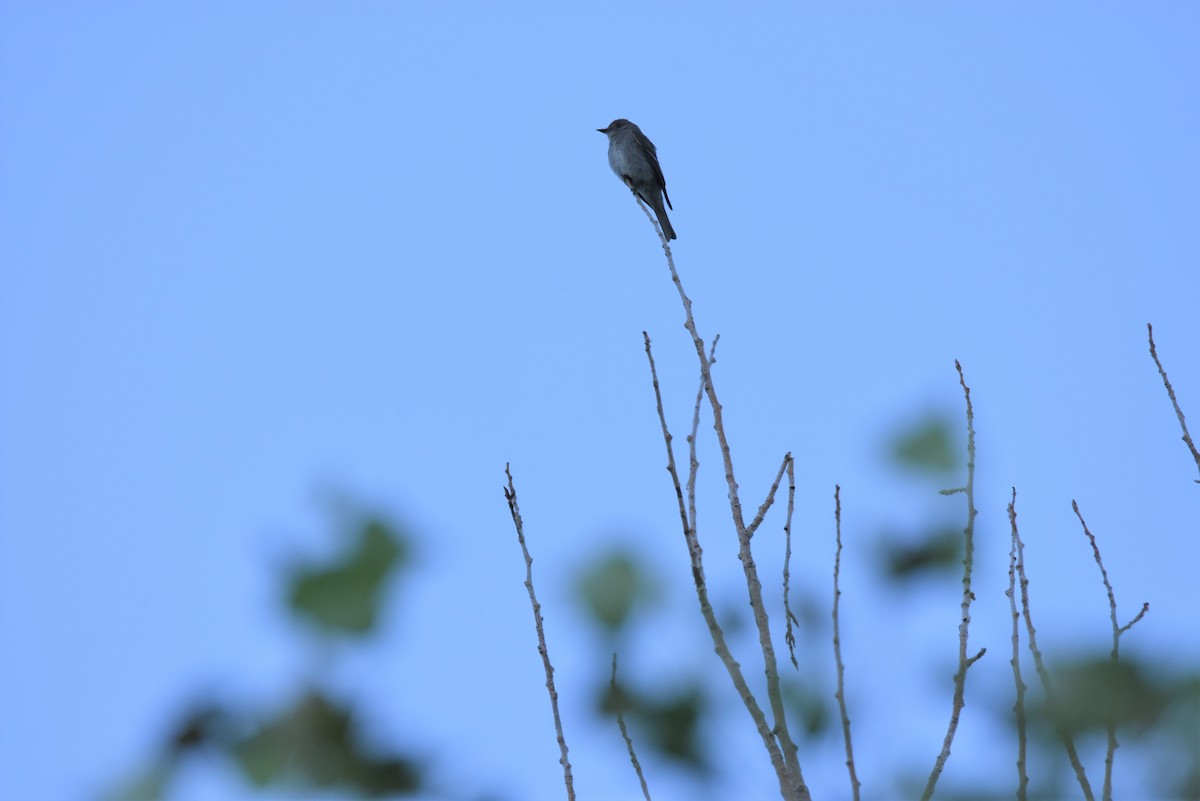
{"x":663,"y":220}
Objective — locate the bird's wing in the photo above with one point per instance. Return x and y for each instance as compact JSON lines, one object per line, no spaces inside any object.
{"x":652,"y":152}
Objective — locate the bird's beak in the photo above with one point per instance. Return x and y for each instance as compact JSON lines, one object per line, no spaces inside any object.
{"x":602,"y":130}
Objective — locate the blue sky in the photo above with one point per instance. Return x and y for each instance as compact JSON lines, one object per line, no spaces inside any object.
{"x":255,"y":257}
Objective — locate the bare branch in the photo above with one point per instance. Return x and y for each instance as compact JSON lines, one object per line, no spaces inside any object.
{"x":1019,"y":706}
{"x":662,"y":419}
{"x":770,"y":499}
{"x":1117,"y":631}
{"x":960,"y":676}
{"x":1187,"y":438}
{"x":791,"y":779}
{"x":840,"y":695}
{"x":510,"y":494}
{"x":706,"y":610}
{"x":694,"y":463}
{"x":637,"y":767}
{"x":1141,"y":614}
{"x":789,"y":635}
{"x":1044,"y":674}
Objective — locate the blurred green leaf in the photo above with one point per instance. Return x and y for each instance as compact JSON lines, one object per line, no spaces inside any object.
{"x":1092,"y":693}
{"x":344,"y":595}
{"x":668,"y":724}
{"x":1153,"y":710}
{"x":610,"y":589}
{"x":150,"y":785}
{"x":928,"y":446}
{"x":939,"y":550}
{"x":1179,"y":725}
{"x":810,"y":705}
{"x":316,"y":744}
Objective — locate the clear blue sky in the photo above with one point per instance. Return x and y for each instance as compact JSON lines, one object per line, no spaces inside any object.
{"x":252,"y":256}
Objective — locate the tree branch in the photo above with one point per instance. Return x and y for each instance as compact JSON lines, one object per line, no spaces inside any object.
{"x":637,"y":766}
{"x":1044,"y":674}
{"x":1117,"y":631}
{"x":840,"y":695}
{"x":510,"y":494}
{"x":1019,"y":706}
{"x":960,"y":676}
{"x":1187,"y":438}
{"x":789,"y":635}
{"x":706,"y":610}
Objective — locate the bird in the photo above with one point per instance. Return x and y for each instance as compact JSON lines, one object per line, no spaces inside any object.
{"x":634,"y":159}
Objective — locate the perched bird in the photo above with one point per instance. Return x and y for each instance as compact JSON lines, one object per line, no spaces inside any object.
{"x":635,"y":161}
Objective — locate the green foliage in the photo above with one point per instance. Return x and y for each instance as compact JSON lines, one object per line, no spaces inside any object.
{"x":1091,"y":692}
{"x":611,"y":588}
{"x":809,"y":704}
{"x":667,"y":723}
{"x":316,"y":744}
{"x":937,"y":551}
{"x":343,"y":596}
{"x":929,"y":446}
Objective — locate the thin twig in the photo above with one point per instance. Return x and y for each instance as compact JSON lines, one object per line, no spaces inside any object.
{"x":620,"y":701}
{"x":960,"y":676}
{"x":837,"y":643}
{"x":1044,"y":674}
{"x":510,"y":494}
{"x":1117,"y":631}
{"x":683,"y":512}
{"x":789,"y":635}
{"x":693,"y":462}
{"x":770,"y":499}
{"x":706,"y":609}
{"x":1019,"y":706}
{"x":1187,"y":438}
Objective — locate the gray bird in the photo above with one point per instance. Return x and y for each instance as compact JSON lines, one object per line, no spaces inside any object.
{"x":635,"y":161}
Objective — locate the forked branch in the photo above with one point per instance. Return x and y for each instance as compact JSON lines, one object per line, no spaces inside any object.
{"x":696,"y":554}
{"x":778,"y":739}
{"x":1044,"y":675}
{"x":1117,"y":631}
